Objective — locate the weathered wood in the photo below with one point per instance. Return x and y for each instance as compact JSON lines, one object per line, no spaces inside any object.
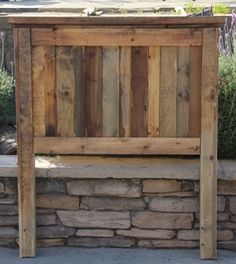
{"x":139,"y":88}
{"x":26,"y":179}
{"x":111,"y":145}
{"x":153,"y":91}
{"x":65,"y":80}
{"x":93,"y":91}
{"x":194,"y":127}
{"x":38,"y":54}
{"x":182,"y":92}
{"x":110,"y":91}
{"x":125,"y":91}
{"x":117,"y":37}
{"x":208,"y":159}
{"x":168,"y":90}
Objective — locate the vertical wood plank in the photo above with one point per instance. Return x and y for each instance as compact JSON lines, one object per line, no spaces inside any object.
{"x":168,"y":91}
{"x":38,"y":54}
{"x":26,"y":178}
{"x":93,"y":86}
{"x":208,"y":160}
{"x":65,"y":91}
{"x":182,"y":92}
{"x":139,"y":88}
{"x":153,"y":91}
{"x":194,"y":129}
{"x":50,"y":91}
{"x":110,"y":91}
{"x":125,"y":91}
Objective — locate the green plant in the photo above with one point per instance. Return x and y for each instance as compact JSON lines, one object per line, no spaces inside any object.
{"x":190,"y":7}
{"x":7,"y":98}
{"x":221,"y":9}
{"x":227,"y":107}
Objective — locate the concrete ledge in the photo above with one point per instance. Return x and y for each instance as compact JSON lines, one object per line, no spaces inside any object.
{"x":93,"y":167}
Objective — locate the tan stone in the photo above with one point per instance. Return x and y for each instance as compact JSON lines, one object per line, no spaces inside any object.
{"x":54,"y":231}
{"x":160,"y":186}
{"x":227,"y":187}
{"x":119,"y":188}
{"x":167,"y":244}
{"x":95,"y":233}
{"x":46,"y":220}
{"x":232,"y":205}
{"x":147,"y":219}
{"x":151,"y":234}
{"x":95,"y":219}
{"x":194,"y":234}
{"x":112,"y":203}
{"x":101,"y":242}
{"x":57,"y":201}
{"x":1,"y":187}
{"x":166,"y":204}
{"x":51,"y":242}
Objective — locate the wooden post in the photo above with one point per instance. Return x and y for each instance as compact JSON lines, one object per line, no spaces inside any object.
{"x":26,"y":179}
{"x":208,"y":171}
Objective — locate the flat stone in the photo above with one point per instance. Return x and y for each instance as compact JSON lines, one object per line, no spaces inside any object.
{"x":56,"y":201}
{"x":232,"y":205}
{"x":147,"y":219}
{"x":8,"y":201}
{"x":94,"y":219}
{"x":172,"y":194}
{"x":226,"y":225}
{"x":230,"y":245}
{"x":227,"y":187}
{"x":221,"y":217}
{"x":112,"y":203}
{"x":101,"y":242}
{"x":145,"y":234}
{"x":167,"y":244}
{"x":95,"y":233}
{"x":54,"y":231}
{"x":166,"y":204}
{"x":160,"y":186}
{"x":44,"y":186}
{"x":8,"y":232}
{"x":1,"y":187}
{"x":46,"y":220}
{"x":10,"y":186}
{"x":120,"y":188}
{"x":51,"y":242}
{"x":8,"y":220}
{"x":8,"y":242}
{"x":187,"y":186}
{"x":221,"y":203}
{"x":222,"y":235}
{"x":40,"y":211}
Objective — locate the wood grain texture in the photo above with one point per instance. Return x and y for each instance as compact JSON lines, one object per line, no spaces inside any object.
{"x":194,"y":129}
{"x":168,"y":92}
{"x":102,"y":36}
{"x":153,"y":91}
{"x":38,"y":85}
{"x":125,"y":91}
{"x":65,"y":80}
{"x":182,"y":115}
{"x":208,"y":158}
{"x":50,"y":91}
{"x":93,"y":90}
{"x":26,"y":178}
{"x":117,"y":146}
{"x":139,"y":88}
{"x":110,"y":91}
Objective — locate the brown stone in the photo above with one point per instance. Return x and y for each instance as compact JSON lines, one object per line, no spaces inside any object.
{"x":58,"y":201}
{"x":172,"y":194}
{"x":160,"y":186}
{"x":95,"y":219}
{"x":145,"y":234}
{"x":1,"y":187}
{"x":46,"y":220}
{"x":194,"y":234}
{"x":8,"y":220}
{"x":8,"y":232}
{"x":147,"y":219}
{"x":232,"y":205}
{"x":227,"y":187}
{"x":101,"y":242}
{"x":167,"y":244}
{"x":95,"y":233}
{"x":51,"y":242}
{"x":166,"y":204}
{"x":54,"y":231}
{"x":119,"y":188}
{"x":112,"y":203}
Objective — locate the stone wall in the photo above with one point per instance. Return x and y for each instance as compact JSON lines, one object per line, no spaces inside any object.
{"x":151,"y":213}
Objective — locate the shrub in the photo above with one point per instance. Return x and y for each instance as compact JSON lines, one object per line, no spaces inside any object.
{"x":221,"y":9}
{"x":7,"y":98}
{"x":227,"y":107}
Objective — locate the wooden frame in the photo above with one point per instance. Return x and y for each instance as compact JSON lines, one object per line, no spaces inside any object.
{"x":190,"y":128}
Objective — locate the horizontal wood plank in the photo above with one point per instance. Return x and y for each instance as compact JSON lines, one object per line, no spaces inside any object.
{"x":117,"y":146}
{"x":116,"y":37}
